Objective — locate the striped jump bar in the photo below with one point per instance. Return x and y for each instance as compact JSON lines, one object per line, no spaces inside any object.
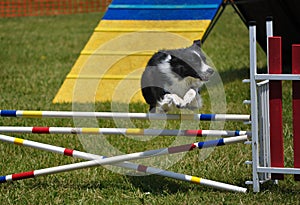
{"x":121,"y":131}
{"x":120,"y":115}
{"x":132,"y":156}
{"x":128,"y":165}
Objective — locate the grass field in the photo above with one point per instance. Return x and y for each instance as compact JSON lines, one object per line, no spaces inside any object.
{"x":37,"y":53}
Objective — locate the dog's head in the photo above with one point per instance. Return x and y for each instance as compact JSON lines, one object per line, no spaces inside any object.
{"x":187,"y":62}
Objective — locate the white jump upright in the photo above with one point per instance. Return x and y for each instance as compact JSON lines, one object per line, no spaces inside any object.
{"x":266,"y":111}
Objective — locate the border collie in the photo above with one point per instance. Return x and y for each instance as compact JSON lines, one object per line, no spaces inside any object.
{"x":173,"y":78}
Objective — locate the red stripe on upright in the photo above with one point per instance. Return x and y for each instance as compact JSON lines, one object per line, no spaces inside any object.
{"x":23,"y":175}
{"x":42,"y":130}
{"x":276,"y":133}
{"x":68,"y":152}
{"x":296,"y":107}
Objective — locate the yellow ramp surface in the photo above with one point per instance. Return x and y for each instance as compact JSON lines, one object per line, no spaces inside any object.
{"x":110,"y":66}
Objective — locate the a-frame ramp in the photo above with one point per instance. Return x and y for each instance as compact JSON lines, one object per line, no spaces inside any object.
{"x":110,"y":65}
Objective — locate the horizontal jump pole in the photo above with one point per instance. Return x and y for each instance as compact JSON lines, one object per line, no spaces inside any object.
{"x":121,"y":131}
{"x":128,"y":165}
{"x":120,"y":115}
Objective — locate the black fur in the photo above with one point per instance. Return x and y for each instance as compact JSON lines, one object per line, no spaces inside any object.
{"x":167,"y":65}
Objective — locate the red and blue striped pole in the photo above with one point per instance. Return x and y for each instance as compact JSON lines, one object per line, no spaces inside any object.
{"x":121,"y":131}
{"x":120,"y":160}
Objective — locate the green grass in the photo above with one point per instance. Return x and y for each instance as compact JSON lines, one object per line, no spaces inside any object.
{"x":37,"y":53}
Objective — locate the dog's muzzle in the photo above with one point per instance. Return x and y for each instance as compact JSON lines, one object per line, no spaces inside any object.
{"x":206,"y":75}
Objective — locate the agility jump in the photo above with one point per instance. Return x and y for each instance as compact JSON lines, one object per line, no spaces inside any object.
{"x":266,"y":111}
{"x":266,"y":126}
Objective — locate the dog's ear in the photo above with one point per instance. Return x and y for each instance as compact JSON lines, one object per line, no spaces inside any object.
{"x":160,"y":57}
{"x":168,"y":58}
{"x":197,"y":42}
{"x":164,"y":57}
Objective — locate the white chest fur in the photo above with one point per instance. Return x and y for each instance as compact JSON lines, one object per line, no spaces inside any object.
{"x":181,"y":87}
{"x":175,"y":84}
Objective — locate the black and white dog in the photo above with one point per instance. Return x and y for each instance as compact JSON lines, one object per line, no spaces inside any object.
{"x":173,"y":78}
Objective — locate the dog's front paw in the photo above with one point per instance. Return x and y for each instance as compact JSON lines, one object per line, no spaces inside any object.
{"x":177,"y":101}
{"x":189,"y":96}
{"x":166,"y":103}
{"x":186,"y":101}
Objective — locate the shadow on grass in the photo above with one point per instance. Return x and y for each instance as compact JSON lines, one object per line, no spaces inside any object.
{"x":233,"y":74}
{"x":158,"y":185}
{"x":152,"y":184}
